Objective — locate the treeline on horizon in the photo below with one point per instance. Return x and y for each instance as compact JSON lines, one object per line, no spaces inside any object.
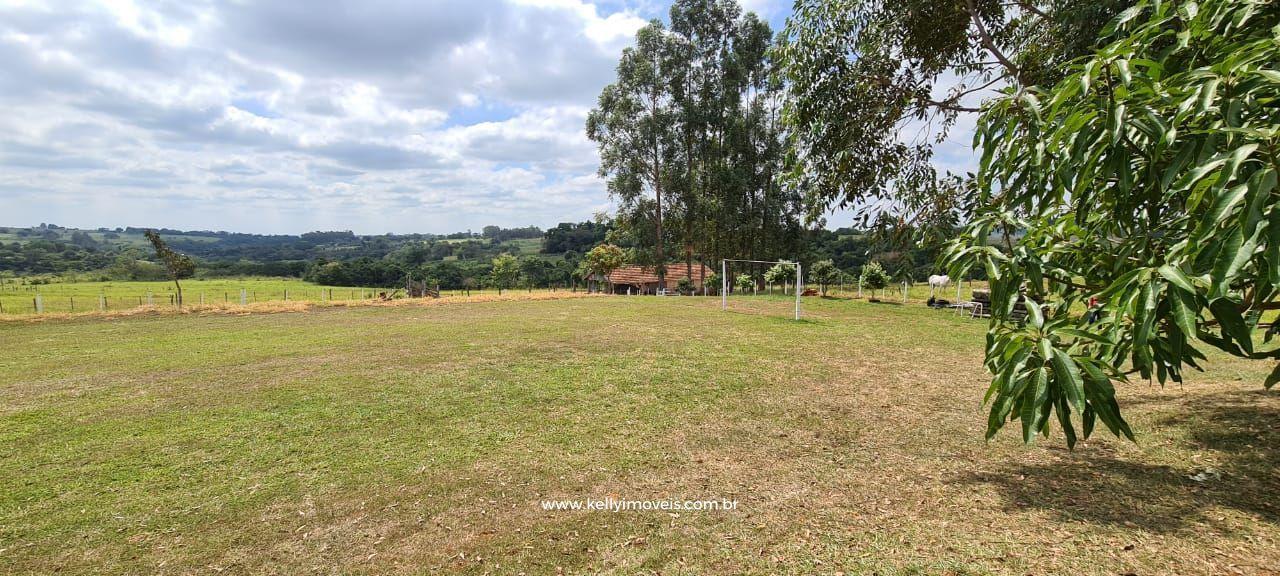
{"x":341,"y":258}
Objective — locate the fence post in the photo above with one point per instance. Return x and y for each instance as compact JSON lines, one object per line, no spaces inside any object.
{"x":39,"y":302}
{"x":202,"y":298}
{"x":151,"y":301}
{"x":73,"y":303}
{"x":102,"y":302}
{"x":244,"y":297}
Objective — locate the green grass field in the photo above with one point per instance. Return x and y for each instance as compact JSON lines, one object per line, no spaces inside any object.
{"x":422,"y":440}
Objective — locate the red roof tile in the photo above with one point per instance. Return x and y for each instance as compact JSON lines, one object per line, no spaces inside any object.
{"x":638,"y":275}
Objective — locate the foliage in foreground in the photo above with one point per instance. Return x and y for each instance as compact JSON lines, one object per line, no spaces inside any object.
{"x":1145,"y":178}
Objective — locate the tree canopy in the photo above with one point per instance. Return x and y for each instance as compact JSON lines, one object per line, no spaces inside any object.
{"x":691,"y":143}
{"x":872,"y":85}
{"x":1145,"y":178}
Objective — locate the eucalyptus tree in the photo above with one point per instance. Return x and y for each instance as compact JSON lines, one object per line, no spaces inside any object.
{"x":715,"y":191}
{"x":730,"y":104}
{"x":874,"y":84}
{"x":1145,"y":178}
{"x":634,"y":127}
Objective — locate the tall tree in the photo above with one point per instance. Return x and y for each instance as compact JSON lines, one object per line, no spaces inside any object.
{"x":868,"y":92}
{"x":721,"y":140}
{"x":176,"y":266}
{"x":1145,"y":179}
{"x":633,"y":125}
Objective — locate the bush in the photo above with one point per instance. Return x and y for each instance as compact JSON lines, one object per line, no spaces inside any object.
{"x":712,"y":283}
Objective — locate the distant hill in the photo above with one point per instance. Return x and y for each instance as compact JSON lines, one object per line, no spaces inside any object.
{"x":53,"y":249}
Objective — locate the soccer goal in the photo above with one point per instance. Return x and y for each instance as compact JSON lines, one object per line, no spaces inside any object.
{"x":726,"y":284}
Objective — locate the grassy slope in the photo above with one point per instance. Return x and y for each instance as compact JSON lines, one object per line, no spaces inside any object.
{"x":421,"y":440}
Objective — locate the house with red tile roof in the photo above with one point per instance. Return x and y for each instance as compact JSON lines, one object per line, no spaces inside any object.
{"x":644,"y":279}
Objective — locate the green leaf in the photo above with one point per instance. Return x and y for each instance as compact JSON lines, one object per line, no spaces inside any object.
{"x":1182,"y":305}
{"x":1034,"y":312}
{"x":1068,"y":378}
{"x":1177,"y":278}
{"x":1064,"y":418}
{"x":1272,"y":252}
{"x":1035,"y":396}
{"x":1081,"y":334}
{"x":1273,"y":377}
{"x":1208,"y":91}
{"x":1227,"y":313}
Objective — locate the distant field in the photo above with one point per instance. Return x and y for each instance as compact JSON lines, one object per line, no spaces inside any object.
{"x":423,"y":440}
{"x":83,"y":296}
{"x":61,"y":297}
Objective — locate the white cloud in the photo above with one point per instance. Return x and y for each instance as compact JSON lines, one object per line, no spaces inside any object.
{"x":377,"y":116}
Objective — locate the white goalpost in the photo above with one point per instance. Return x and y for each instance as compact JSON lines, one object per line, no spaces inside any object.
{"x":724,"y":281}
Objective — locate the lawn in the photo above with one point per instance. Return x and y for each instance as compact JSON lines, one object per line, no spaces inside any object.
{"x":421,"y":440}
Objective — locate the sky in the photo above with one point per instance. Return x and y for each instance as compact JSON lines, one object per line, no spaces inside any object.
{"x":375,"y":116}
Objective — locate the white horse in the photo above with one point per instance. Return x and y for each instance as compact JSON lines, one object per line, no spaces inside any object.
{"x":938,"y":281}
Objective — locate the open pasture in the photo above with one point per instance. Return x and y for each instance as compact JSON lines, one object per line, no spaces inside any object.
{"x":63,"y":297}
{"x":423,"y":440}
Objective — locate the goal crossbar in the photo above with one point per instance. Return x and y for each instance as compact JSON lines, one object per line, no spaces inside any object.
{"x":724,"y":280}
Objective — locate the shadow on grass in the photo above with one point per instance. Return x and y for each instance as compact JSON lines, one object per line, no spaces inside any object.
{"x":1238,"y":432}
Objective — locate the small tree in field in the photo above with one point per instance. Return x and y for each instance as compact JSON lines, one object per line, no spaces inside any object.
{"x":685,"y":286}
{"x":506,"y":269}
{"x":744,"y":282}
{"x":784,"y":272}
{"x":825,"y":273}
{"x":604,"y":259}
{"x":874,"y":277}
{"x":712,"y":283}
{"x":176,"y":266}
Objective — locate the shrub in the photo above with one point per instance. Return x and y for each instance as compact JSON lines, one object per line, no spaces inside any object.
{"x":874,"y":277}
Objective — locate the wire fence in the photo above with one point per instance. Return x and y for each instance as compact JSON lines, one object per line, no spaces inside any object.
{"x":31,"y":300}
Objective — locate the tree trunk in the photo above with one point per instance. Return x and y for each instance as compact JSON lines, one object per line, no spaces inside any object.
{"x":179,"y":287}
